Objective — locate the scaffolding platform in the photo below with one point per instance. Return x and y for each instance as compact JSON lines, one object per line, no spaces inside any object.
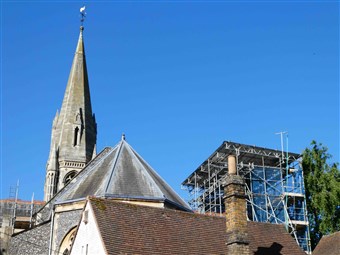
{"x":274,"y":187}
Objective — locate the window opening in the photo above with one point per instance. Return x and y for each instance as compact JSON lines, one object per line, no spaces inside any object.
{"x":76,"y":134}
{"x":69,"y":176}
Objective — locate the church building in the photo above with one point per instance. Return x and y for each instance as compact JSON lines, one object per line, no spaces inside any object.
{"x":74,"y":171}
{"x":114,"y":202}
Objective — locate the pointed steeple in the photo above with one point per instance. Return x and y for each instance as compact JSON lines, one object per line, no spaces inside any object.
{"x":74,"y":131}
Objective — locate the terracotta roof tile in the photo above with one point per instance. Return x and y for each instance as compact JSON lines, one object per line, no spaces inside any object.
{"x":135,"y":229}
{"x":329,"y":245}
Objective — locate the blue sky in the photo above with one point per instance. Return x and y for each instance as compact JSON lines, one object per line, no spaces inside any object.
{"x":177,"y":77}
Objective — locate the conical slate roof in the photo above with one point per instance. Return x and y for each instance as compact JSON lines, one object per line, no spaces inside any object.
{"x":120,"y":172}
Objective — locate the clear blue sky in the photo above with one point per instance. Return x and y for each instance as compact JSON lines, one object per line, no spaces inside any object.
{"x":177,"y":77}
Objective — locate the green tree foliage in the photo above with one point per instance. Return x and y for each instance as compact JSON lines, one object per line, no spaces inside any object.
{"x":322,"y":184}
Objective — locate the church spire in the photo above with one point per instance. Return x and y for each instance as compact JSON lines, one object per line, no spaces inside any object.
{"x":80,"y":45}
{"x":74,"y":131}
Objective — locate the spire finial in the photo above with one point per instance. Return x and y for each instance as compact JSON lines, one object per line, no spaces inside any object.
{"x":123,"y":137}
{"x":82,"y":17}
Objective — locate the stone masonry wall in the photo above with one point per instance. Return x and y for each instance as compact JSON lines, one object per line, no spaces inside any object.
{"x":34,"y":241}
{"x":64,"y":222}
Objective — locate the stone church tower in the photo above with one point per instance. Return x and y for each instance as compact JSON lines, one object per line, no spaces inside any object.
{"x":74,"y":129}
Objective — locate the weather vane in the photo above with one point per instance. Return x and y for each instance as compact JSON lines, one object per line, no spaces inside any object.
{"x":83,"y":15}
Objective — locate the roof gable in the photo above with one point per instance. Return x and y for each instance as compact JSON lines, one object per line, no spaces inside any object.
{"x":87,"y":235}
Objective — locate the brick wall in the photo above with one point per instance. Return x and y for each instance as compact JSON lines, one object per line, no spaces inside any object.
{"x":236,"y":217}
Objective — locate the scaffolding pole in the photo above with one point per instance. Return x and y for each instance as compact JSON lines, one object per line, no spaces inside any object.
{"x":267,"y":179}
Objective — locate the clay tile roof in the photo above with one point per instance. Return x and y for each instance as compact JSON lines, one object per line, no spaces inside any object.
{"x":267,"y":238}
{"x":329,"y":245}
{"x":134,"y":229}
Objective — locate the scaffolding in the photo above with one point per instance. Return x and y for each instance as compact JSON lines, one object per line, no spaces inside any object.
{"x":17,"y":214}
{"x":274,"y":187}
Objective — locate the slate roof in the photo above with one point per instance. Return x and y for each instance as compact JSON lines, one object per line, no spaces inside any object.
{"x":134,"y":229}
{"x":120,"y":172}
{"x":329,"y":244}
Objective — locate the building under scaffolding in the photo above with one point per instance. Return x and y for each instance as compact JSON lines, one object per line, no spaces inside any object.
{"x":274,"y":187}
{"x":15,"y":216}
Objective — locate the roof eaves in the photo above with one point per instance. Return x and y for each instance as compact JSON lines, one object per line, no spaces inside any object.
{"x":69,"y":201}
{"x":139,"y":198}
{"x":178,"y":205}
